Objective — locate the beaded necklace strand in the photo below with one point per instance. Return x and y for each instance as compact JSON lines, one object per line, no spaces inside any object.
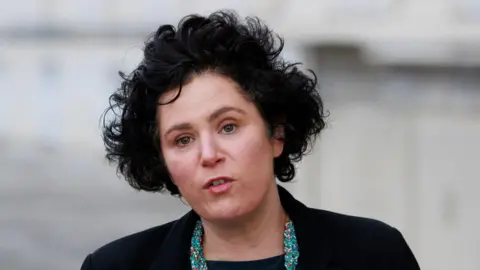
{"x":290,"y":247}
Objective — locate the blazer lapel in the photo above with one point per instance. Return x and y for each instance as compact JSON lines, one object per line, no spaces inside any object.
{"x":174,"y":254}
{"x":313,"y":241}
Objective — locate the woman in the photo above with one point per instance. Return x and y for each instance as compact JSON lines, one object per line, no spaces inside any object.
{"x":214,"y":115}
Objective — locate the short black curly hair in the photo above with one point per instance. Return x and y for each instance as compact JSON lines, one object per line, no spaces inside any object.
{"x":247,"y":52}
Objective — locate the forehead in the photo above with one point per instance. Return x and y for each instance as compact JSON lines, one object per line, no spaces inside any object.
{"x":198,"y":98}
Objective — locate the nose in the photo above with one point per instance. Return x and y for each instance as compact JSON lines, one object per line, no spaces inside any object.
{"x":209,"y":153}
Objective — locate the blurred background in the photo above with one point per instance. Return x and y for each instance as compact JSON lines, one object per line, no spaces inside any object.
{"x":401,"y":80}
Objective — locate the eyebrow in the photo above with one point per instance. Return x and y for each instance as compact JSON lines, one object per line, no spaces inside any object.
{"x":216,"y":114}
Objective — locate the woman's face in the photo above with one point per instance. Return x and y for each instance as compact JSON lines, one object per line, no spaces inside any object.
{"x":217,"y":148}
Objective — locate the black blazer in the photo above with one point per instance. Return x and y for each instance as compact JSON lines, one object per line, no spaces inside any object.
{"x":327,"y":241}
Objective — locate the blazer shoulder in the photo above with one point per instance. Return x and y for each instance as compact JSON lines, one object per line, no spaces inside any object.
{"x":134,"y":249}
{"x":368,"y":237}
{"x":152,"y":235}
{"x":351,"y":224}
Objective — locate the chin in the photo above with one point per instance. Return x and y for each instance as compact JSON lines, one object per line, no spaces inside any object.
{"x":225,"y":213}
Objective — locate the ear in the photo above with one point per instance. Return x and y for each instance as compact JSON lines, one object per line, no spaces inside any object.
{"x":278,"y":140}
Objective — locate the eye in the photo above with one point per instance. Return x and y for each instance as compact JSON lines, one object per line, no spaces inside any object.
{"x":229,"y":128}
{"x":183,"y":141}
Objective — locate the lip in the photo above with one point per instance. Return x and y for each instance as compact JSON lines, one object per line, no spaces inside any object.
{"x":210,"y":181}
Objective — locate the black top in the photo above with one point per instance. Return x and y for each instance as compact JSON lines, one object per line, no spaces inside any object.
{"x":326,"y":240}
{"x":273,"y":263}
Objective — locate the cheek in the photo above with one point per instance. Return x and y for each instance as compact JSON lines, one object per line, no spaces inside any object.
{"x":180,"y":170}
{"x":255,"y":150}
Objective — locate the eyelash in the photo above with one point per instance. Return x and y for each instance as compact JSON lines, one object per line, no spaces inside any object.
{"x":178,"y":140}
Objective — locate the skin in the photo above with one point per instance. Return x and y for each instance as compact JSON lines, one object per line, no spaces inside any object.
{"x":213,"y":130}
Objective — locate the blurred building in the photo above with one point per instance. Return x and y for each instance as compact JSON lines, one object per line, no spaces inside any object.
{"x":401,"y":80}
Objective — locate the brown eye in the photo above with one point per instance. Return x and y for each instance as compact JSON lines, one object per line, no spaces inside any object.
{"x":229,"y":128}
{"x":183,"y":141}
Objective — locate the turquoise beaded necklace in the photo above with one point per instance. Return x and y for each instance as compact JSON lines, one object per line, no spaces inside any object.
{"x":290,"y":247}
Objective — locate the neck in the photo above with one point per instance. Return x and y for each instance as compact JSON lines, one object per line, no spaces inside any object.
{"x":258,"y":236}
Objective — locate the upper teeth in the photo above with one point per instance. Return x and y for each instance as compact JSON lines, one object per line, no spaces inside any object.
{"x":218,"y":182}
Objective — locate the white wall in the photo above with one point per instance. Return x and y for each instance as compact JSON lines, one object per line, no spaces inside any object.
{"x":402,"y":146}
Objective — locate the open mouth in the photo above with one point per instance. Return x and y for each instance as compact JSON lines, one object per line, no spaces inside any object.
{"x":217,"y":182}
